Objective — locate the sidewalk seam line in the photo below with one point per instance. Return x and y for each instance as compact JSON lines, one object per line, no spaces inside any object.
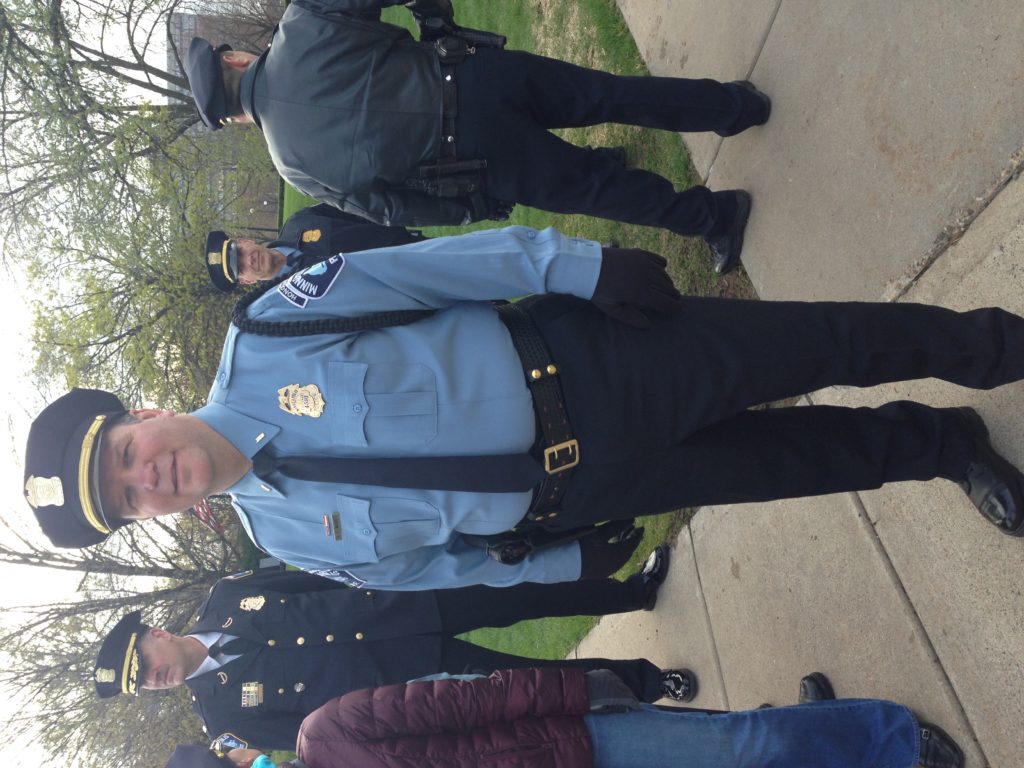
{"x":707,"y":618}
{"x":750,"y":71}
{"x":953,"y":232}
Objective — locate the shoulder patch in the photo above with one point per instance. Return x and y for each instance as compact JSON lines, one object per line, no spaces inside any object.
{"x":313,"y":282}
{"x":336,"y":574}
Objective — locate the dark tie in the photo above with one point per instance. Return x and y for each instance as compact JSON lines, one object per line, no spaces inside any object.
{"x":503,"y":473}
{"x":228,"y":646}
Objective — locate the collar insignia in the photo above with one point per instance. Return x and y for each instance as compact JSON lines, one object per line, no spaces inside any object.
{"x":223,"y":677}
{"x":311,"y":236}
{"x":301,"y":401}
{"x":44,"y":492}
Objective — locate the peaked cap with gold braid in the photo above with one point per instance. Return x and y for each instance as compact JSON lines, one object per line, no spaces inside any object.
{"x":119,"y":663}
{"x":62,"y":467}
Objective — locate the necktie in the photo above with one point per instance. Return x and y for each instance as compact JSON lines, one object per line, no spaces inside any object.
{"x":502,"y":473}
{"x":228,"y":646}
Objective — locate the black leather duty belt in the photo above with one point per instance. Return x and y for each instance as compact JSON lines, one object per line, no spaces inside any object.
{"x":556,"y":447}
{"x":449,"y":110}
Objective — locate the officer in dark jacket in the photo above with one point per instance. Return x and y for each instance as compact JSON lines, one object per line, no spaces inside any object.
{"x":308,"y":237}
{"x":269,"y":648}
{"x":357,"y":113}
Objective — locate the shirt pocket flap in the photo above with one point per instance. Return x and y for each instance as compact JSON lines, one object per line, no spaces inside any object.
{"x":345,"y":382}
{"x":356,"y":529}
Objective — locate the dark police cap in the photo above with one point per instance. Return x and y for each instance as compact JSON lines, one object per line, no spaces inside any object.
{"x":118,"y":664}
{"x":202,"y":65}
{"x":191,"y":756}
{"x":221,"y":256}
{"x":62,"y":467}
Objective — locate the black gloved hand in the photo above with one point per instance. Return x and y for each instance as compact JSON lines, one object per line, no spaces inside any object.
{"x":631,"y":281}
{"x":600,"y":558}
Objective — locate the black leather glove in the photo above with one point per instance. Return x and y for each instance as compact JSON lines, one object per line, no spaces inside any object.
{"x":632,"y":282}
{"x":600,"y":558}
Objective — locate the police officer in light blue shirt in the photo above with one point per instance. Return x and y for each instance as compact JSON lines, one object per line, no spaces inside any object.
{"x":375,"y":415}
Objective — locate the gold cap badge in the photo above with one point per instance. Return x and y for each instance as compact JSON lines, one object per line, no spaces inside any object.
{"x":252,"y":603}
{"x":301,"y":401}
{"x":213,"y":257}
{"x":44,"y":492}
{"x":311,"y":236}
{"x":104,"y":675}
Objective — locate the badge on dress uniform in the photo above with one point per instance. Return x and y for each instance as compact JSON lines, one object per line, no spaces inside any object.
{"x":301,"y":401}
{"x":252,"y":694}
{"x":252,"y":603}
{"x":44,"y":492}
{"x":311,"y":236}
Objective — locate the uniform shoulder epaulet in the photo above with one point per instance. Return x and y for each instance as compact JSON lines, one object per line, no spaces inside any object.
{"x":240,"y":575}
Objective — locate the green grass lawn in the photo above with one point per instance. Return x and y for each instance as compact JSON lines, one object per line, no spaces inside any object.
{"x":591,"y":33}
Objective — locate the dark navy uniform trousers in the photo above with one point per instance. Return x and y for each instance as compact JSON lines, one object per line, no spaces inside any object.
{"x":508,"y":101}
{"x":661,"y":415}
{"x":469,"y":608}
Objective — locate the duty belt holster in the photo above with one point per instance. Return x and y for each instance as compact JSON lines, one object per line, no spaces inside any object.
{"x":512,"y":547}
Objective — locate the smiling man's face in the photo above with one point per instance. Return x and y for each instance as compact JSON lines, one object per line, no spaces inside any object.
{"x":257,"y":262}
{"x":159,"y":463}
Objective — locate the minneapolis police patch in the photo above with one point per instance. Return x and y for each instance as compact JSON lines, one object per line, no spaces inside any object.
{"x":313,"y":282}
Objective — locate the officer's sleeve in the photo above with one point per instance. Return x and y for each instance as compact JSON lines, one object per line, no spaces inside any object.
{"x":411,"y":208}
{"x":456,"y":564}
{"x":263,"y":730}
{"x":368,"y":9}
{"x":440,"y":272}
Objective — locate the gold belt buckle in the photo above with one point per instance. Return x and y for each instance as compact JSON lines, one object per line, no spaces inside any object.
{"x":552,"y":463}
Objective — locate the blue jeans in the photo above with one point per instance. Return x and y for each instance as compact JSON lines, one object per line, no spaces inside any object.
{"x":849,"y":733}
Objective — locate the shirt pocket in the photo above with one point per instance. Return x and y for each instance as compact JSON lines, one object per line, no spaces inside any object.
{"x":385,"y":405}
{"x":391,"y":525}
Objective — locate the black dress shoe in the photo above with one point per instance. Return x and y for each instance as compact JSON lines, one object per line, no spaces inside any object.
{"x":938,"y":750}
{"x":993,"y":484}
{"x":756,"y":113}
{"x":726,"y":248}
{"x":815,"y":687}
{"x":653,"y":575}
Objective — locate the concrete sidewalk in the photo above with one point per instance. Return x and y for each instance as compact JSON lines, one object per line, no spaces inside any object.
{"x":886,"y":173}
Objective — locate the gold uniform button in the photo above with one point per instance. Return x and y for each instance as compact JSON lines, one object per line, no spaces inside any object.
{"x":271,"y":642}
{"x":359,"y":635}
{"x":300,"y":640}
{"x":299,"y":687}
{"x":369,"y":594}
{"x":552,"y":369}
{"x":283,"y":600}
{"x":330,"y":638}
{"x":280,"y":690}
{"x":535,"y":373}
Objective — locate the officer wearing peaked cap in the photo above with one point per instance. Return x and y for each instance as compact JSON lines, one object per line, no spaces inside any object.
{"x":376,"y":415}
{"x":358,"y":114}
{"x":308,"y":237}
{"x":269,"y":648}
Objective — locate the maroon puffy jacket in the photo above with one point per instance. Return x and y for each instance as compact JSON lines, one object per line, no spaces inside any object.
{"x":520,"y":718}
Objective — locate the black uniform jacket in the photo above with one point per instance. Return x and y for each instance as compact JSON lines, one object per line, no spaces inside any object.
{"x":322,"y":230}
{"x":350,"y":107}
{"x":312,"y":639}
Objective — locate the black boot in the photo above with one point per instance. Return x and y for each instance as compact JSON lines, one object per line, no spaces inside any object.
{"x":726,"y":247}
{"x":938,"y":750}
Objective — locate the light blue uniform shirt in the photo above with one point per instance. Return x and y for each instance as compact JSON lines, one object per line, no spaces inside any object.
{"x":449,"y":385}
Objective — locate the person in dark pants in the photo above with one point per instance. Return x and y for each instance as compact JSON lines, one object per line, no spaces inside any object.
{"x":308,"y":237}
{"x":358,"y":114}
{"x":269,"y":648}
{"x":374,"y":425}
